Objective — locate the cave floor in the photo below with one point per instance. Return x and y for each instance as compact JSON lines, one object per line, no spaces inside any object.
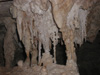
{"x":52,"y":69}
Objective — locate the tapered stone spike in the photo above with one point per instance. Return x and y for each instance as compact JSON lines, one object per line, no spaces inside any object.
{"x":54,"y":48}
{"x":39,"y":56}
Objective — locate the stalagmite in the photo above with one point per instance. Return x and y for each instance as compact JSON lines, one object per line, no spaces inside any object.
{"x":39,"y":52}
{"x":54,"y":48}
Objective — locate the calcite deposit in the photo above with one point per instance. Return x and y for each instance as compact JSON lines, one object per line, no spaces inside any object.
{"x":39,"y":23}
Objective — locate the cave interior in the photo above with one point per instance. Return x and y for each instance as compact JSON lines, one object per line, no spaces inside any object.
{"x":49,"y":37}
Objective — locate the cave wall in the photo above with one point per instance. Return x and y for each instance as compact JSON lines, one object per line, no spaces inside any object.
{"x":10,"y":41}
{"x":2,"y":34}
{"x":4,"y":9}
{"x":11,"y":49}
{"x":4,"y":12}
{"x":93,"y":22}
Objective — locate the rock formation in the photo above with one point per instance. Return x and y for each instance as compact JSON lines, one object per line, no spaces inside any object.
{"x":2,"y":34}
{"x":9,"y":41}
{"x":93,"y":22}
{"x":43,"y":22}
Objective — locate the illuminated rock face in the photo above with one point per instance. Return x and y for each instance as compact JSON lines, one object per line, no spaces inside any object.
{"x":38,"y":23}
{"x":36,"y":27}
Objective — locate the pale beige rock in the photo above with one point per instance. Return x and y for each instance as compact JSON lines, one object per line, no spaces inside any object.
{"x":44,"y":71}
{"x":20,"y":63}
{"x":46,"y":59}
{"x":60,"y":10}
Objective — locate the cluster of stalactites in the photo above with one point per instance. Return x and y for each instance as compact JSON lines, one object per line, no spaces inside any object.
{"x":34,"y":20}
{"x":76,"y":20}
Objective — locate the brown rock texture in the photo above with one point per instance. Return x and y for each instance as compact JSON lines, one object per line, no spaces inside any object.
{"x":9,"y":41}
{"x":4,"y":9}
{"x":93,"y":22}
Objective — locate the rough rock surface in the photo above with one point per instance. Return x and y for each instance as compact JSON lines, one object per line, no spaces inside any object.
{"x":10,"y":41}
{"x":2,"y":34}
{"x":93,"y":22}
{"x":52,"y":69}
{"x":4,"y":9}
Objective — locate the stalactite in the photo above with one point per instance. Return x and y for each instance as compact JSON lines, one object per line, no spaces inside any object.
{"x":19,"y":21}
{"x":76,"y":20}
{"x":55,"y":41}
{"x":42,"y":27}
{"x":39,"y":56}
{"x":54,"y":48}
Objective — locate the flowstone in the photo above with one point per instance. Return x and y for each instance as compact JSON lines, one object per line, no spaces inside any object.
{"x":42,"y":20}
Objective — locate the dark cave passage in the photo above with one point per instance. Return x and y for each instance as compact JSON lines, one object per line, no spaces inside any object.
{"x":19,"y":53}
{"x":61,"y":57}
{"x":88,"y":57}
